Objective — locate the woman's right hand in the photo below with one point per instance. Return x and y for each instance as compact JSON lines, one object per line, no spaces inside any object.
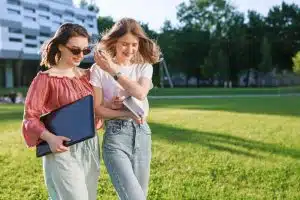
{"x":117,"y":102}
{"x":56,"y":143}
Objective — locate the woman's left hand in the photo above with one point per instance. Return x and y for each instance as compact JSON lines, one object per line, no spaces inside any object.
{"x":104,"y":61}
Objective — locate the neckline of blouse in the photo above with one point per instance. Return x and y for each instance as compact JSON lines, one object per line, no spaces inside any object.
{"x":64,"y":77}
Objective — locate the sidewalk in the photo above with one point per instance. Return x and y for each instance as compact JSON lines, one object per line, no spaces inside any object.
{"x":223,"y":96}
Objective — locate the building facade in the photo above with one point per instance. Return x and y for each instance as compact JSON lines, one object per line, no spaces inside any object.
{"x":24,"y":26}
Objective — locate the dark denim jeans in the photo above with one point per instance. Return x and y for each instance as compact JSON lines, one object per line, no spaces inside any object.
{"x":127,"y":155}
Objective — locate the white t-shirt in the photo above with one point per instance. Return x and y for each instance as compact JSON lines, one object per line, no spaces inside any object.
{"x":110,"y":87}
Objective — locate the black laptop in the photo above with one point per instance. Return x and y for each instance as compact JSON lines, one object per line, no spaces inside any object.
{"x":74,"y":121}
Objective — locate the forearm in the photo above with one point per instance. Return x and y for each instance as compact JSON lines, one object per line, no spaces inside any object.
{"x":133,"y":88}
{"x":108,"y":113}
{"x":46,"y":135}
{"x":107,"y":104}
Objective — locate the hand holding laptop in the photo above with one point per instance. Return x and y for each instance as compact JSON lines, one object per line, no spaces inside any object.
{"x":56,"y":143}
{"x":133,"y":106}
{"x":117,"y":102}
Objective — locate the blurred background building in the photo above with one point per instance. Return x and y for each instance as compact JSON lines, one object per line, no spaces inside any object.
{"x":24,"y":26}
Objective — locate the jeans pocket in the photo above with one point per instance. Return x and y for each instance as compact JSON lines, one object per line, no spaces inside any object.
{"x":113,"y":129}
{"x":145,"y":129}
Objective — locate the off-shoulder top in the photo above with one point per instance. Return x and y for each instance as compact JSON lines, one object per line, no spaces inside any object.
{"x":47,"y":93}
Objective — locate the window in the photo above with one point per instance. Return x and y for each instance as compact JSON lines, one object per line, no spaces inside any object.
{"x":13,"y":2}
{"x":14,"y":30}
{"x":45,"y":34}
{"x":13,"y":11}
{"x":31,"y":10}
{"x":44,"y":17}
{"x":57,"y":15}
{"x":57,"y":23}
{"x":43,"y":8}
{"x":69,"y":14}
{"x":91,"y":26}
{"x":30,"y":37}
{"x":41,"y":42}
{"x":30,"y":18}
{"x":15,"y":39}
{"x":91,"y":18}
{"x":31,"y":45}
{"x":80,"y":19}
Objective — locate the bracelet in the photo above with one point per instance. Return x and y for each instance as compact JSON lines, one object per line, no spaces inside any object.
{"x":117,"y":75}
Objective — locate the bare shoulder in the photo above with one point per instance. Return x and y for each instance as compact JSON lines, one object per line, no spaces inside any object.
{"x":46,"y":72}
{"x":83,"y":71}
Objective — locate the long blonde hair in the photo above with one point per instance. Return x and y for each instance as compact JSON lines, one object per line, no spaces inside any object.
{"x":148,"y":52}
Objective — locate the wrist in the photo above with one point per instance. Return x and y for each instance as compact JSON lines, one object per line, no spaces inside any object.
{"x":116,"y":75}
{"x":126,"y":114}
{"x":46,"y":136}
{"x":112,"y":69}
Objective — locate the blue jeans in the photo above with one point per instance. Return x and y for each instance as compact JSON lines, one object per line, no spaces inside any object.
{"x":127,"y":154}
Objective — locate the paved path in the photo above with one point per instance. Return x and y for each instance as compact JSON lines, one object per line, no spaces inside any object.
{"x":223,"y":96}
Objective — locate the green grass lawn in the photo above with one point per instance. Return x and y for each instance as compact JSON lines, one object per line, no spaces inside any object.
{"x":198,"y":91}
{"x":237,"y":148}
{"x":222,"y":91}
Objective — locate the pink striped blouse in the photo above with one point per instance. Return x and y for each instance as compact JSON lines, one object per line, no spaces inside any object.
{"x":47,"y":93}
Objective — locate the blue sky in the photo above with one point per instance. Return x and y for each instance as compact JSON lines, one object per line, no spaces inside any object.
{"x":155,"y":12}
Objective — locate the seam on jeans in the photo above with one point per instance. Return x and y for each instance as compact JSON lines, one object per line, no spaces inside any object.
{"x":145,"y":129}
{"x":118,"y":179}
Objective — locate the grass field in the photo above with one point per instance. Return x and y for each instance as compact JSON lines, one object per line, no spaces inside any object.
{"x":199,"y":91}
{"x":222,"y":91}
{"x":233,"y":148}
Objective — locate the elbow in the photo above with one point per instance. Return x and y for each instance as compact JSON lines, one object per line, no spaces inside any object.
{"x":99,"y":111}
{"x":141,"y":97}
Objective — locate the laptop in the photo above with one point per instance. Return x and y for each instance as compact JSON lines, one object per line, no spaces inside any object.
{"x":131,"y":104}
{"x":74,"y":121}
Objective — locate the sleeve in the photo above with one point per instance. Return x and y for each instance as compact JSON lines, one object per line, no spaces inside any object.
{"x":147,"y":72}
{"x":35,"y":100}
{"x":95,"y":76}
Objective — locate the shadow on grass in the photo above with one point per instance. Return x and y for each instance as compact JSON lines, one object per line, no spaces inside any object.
{"x":11,"y":115}
{"x":285,"y":106}
{"x":220,"y":142}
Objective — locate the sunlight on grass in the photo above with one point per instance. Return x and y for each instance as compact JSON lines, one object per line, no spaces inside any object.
{"x":202,"y":149}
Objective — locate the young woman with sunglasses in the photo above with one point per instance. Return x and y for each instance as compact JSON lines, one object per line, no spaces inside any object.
{"x":123,"y":68}
{"x":71,"y":173}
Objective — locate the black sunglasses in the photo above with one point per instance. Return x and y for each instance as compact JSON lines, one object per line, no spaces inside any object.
{"x":77,"y":51}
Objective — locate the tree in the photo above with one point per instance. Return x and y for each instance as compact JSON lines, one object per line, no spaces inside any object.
{"x":283,"y":31}
{"x":266,"y":59}
{"x":150,"y":33}
{"x":223,"y":65}
{"x":206,"y":14}
{"x":104,"y":23}
{"x":83,"y":4}
{"x":296,"y":63}
{"x":93,"y":8}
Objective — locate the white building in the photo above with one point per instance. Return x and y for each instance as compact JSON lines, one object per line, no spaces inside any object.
{"x":24,"y":26}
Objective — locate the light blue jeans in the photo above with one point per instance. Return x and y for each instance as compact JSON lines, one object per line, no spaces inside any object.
{"x":73,"y":175}
{"x":127,"y":154}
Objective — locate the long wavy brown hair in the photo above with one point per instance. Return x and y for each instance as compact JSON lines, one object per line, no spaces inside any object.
{"x":50,"y":53}
{"x":148,"y":51}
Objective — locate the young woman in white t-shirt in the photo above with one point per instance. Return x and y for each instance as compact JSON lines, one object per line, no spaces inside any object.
{"x":123,"y":68}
